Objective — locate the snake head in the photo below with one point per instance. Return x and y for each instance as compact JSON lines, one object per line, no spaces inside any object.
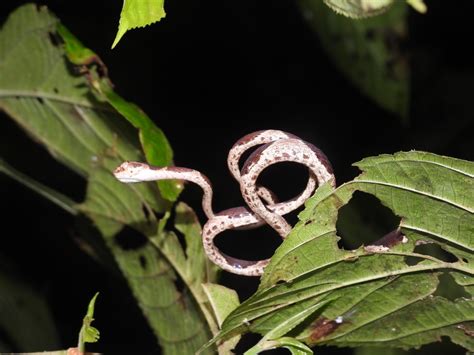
{"x":130,"y":172}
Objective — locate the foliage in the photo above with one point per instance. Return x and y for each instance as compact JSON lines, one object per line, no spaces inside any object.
{"x":65,"y":112}
{"x":88,"y":334}
{"x":138,"y":13}
{"x":366,"y":296}
{"x":313,"y":292}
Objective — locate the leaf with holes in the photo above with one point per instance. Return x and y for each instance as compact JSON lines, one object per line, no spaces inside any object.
{"x":138,"y":13}
{"x":368,"y":52}
{"x":60,"y":106}
{"x":376,"y":293}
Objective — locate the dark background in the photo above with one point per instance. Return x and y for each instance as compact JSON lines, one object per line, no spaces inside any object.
{"x":207,"y":74}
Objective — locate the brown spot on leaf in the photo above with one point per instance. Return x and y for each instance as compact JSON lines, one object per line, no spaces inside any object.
{"x":322,"y":327}
{"x":468,"y":331}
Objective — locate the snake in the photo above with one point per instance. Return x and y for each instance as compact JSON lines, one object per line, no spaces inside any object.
{"x":263,"y":207}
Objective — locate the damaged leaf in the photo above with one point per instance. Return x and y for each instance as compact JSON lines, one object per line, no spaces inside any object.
{"x":63,"y":110}
{"x":374,"y":296}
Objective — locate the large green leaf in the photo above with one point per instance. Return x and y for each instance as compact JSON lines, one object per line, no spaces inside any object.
{"x":368,"y":51}
{"x":63,"y":108}
{"x":375,"y":294}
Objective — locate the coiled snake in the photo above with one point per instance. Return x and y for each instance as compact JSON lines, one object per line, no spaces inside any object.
{"x":276,"y":146}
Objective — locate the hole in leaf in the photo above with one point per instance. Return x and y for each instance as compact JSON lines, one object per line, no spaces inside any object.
{"x":130,"y":239}
{"x":55,"y":90}
{"x":308,"y":222}
{"x":146,"y":212}
{"x":169,"y":226}
{"x":449,"y":288}
{"x":364,"y":220}
{"x":444,"y":346}
{"x":465,"y":260}
{"x":246,"y":342}
{"x":55,"y":39}
{"x":40,"y":100}
{"x":143,"y":262}
{"x":431,"y":249}
{"x":179,"y":284}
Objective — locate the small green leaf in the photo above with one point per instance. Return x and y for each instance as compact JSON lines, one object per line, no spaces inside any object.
{"x":138,"y":13}
{"x":76,"y":52}
{"x":155,"y":145}
{"x":88,"y":334}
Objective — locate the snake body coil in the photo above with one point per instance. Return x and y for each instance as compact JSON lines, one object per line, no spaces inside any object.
{"x":275,"y":147}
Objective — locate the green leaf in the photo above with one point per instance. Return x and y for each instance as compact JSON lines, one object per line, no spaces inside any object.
{"x":359,"y":8}
{"x":75,"y":50}
{"x":138,"y":13}
{"x":191,"y":265}
{"x":371,"y":289}
{"x":65,"y":111}
{"x":368,"y":52}
{"x":223,"y":301}
{"x":88,"y":334}
{"x":25,"y":316}
{"x":155,"y":145}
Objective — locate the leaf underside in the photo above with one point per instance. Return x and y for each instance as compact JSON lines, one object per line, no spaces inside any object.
{"x":371,"y":295}
{"x":61,"y":107}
